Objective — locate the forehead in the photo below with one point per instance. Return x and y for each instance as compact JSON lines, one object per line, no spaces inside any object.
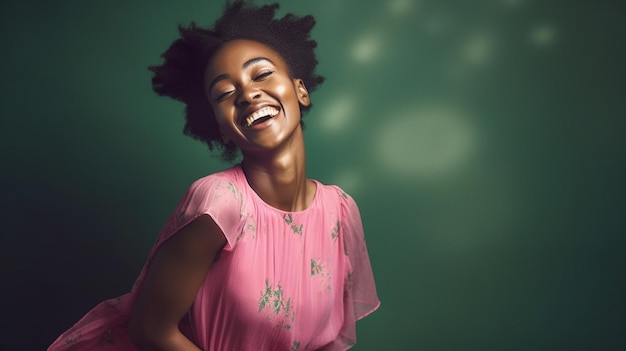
{"x":232,"y":55}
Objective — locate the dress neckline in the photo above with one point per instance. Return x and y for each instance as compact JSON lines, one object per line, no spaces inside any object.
{"x":258,"y":199}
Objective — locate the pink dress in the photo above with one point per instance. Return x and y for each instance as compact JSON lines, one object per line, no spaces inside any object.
{"x":285,"y":281}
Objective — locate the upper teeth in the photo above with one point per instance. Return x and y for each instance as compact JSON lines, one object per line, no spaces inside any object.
{"x":265,"y":111}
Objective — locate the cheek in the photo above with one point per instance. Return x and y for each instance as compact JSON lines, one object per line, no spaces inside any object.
{"x":281,"y":90}
{"x":221,"y":116}
{"x":287,"y":95}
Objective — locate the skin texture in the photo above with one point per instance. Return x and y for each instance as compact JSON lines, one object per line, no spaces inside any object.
{"x":242,"y":77}
{"x":178,"y":269}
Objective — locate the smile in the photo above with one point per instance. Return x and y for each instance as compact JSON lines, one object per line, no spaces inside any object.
{"x":261,"y":115}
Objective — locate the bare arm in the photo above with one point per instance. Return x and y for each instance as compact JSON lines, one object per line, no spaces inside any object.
{"x":179,"y":267}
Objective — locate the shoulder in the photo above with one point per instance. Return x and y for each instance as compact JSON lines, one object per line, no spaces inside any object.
{"x":335,"y":191}
{"x":217,"y":195}
{"x":217,"y":179}
{"x":211,"y":194}
{"x":335,"y":194}
{"x":216,"y":184}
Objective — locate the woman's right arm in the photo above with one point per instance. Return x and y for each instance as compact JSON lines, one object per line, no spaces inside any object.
{"x":177,"y":271}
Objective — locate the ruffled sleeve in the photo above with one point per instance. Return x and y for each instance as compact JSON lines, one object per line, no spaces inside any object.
{"x":360,"y":285}
{"x":105,"y":327}
{"x":216,"y":196}
{"x":360,"y":297}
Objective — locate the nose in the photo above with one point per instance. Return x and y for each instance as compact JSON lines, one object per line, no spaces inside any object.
{"x":248,"y":95}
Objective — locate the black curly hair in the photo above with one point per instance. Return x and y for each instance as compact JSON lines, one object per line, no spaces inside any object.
{"x":181,"y":74}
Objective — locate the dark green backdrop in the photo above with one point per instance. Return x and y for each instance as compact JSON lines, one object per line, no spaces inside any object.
{"x":483,"y":141}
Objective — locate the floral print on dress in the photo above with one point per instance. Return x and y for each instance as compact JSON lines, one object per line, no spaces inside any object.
{"x":289,"y":220}
{"x":251,"y":228}
{"x":320,"y":271}
{"x":248,"y":230}
{"x":272,"y":299}
{"x":342,"y":193}
{"x":237,"y":194}
{"x":334,"y":231}
{"x":295,"y":346}
{"x":350,"y":280}
{"x":73,"y":338}
{"x":110,"y":335}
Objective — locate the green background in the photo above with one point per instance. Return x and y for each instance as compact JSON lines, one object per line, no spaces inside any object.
{"x":482,"y":140}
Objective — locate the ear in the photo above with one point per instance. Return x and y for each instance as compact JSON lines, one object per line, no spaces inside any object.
{"x":302,"y":92}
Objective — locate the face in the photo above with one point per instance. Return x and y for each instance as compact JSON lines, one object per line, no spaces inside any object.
{"x":255,"y":101}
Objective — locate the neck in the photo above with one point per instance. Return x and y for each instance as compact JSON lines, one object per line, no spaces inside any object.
{"x":280,"y":178}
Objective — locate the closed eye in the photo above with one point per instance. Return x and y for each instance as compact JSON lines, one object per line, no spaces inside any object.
{"x":223,"y":95}
{"x":262,"y":76}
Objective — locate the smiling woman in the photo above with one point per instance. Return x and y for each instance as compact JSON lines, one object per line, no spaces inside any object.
{"x":183,"y":75}
{"x":255,"y":100}
{"x":257,"y":256}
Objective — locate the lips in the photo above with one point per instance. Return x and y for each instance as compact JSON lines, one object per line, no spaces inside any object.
{"x":260,"y":115}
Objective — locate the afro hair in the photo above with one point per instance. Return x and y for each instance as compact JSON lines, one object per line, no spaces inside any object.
{"x":180,"y":76}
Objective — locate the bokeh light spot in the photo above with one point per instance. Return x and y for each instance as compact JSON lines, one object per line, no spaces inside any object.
{"x":425,"y":142}
{"x":478,"y":49}
{"x":401,"y":7}
{"x":337,"y":113}
{"x":366,"y":48}
{"x":348,"y":180}
{"x":542,"y":35}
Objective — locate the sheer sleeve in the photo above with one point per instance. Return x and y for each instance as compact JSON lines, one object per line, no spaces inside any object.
{"x":105,"y":327}
{"x":215,"y":196}
{"x":361,"y":288}
{"x":360,"y":297}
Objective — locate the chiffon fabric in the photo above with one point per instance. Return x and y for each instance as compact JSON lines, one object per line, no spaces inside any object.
{"x":290,"y":281}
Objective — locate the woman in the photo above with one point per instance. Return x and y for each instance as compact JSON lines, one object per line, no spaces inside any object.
{"x":255,"y":257}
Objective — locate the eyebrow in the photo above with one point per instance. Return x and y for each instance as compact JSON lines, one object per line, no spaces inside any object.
{"x":245,"y":65}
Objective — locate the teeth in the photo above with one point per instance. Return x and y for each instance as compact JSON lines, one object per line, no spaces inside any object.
{"x":265,"y":111}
